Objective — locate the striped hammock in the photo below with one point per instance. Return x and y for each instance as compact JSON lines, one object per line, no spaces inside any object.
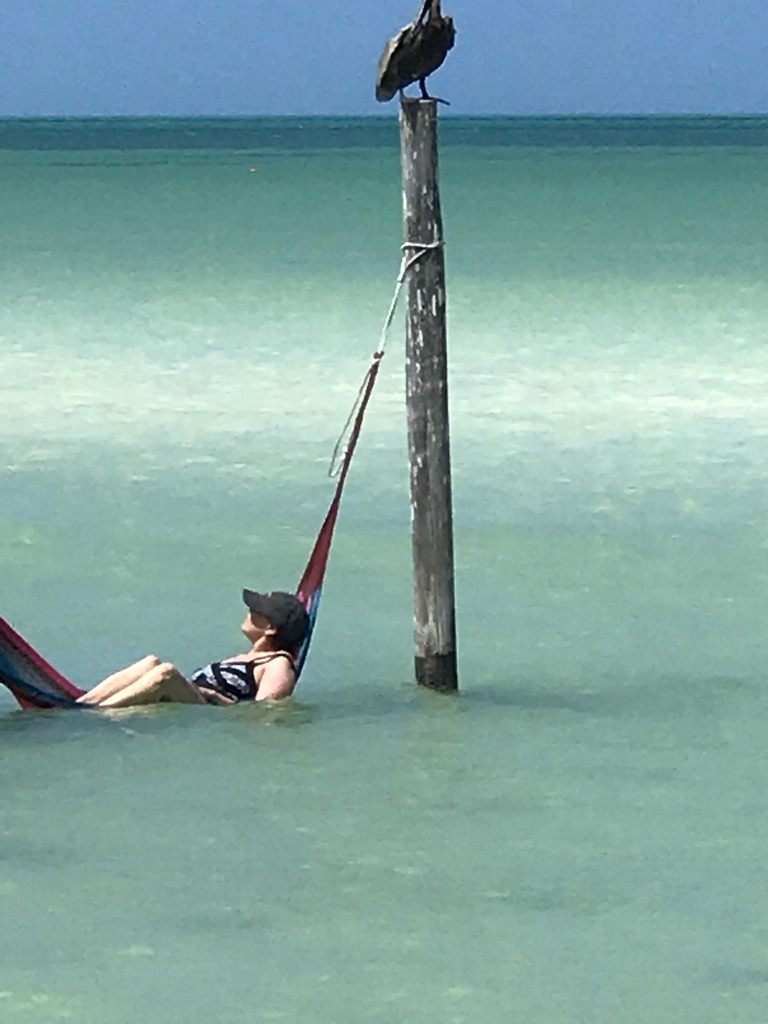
{"x":37,"y":684}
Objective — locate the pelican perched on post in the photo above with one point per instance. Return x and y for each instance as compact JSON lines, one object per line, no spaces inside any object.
{"x":417,"y":50}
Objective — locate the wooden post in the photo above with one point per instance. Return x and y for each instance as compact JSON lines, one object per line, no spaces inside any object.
{"x":427,"y":402}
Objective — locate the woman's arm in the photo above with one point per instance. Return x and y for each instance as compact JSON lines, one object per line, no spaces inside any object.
{"x":277,"y":680}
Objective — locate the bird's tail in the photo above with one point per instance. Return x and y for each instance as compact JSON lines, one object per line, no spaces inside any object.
{"x":426,"y":8}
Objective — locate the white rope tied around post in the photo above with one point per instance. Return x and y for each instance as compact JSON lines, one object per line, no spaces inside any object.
{"x":408,"y":261}
{"x":405,"y":265}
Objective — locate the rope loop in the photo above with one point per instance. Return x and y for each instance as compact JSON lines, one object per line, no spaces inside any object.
{"x":341,"y":448}
{"x":405,"y":265}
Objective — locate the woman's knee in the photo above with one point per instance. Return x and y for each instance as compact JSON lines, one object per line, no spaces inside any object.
{"x":158,"y":677}
{"x":166,"y":670}
{"x":169,"y":684}
{"x":151,"y":661}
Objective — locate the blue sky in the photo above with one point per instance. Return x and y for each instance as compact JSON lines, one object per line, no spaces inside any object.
{"x":183,"y":57}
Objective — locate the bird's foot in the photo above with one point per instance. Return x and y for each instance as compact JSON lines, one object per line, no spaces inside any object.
{"x":418,"y":99}
{"x":425,"y":95}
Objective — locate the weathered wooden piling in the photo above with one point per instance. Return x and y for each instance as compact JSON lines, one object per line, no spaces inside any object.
{"x":427,"y":401}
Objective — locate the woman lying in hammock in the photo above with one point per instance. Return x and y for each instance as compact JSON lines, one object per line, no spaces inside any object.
{"x":276,"y":625}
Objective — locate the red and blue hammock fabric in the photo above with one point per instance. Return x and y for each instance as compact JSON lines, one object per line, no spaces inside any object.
{"x":37,"y":684}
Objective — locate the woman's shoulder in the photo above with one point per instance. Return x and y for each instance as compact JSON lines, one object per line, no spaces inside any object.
{"x":277,"y":677}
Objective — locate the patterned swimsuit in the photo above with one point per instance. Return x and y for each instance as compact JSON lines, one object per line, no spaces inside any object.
{"x":235,"y":679}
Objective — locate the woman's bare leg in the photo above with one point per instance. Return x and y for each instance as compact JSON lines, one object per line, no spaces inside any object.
{"x":119,"y":680}
{"x":163,"y":682}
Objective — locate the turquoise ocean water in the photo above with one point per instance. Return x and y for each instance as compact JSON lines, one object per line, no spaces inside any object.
{"x":581,"y":835}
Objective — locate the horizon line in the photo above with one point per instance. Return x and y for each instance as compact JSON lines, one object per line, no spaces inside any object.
{"x":626,"y":115}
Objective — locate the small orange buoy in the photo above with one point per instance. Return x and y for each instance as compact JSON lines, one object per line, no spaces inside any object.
{"x":254,"y":169}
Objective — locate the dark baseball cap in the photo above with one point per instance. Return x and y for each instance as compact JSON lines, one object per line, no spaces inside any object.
{"x":285,"y":611}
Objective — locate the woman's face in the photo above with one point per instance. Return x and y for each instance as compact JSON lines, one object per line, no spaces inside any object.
{"x":256,"y":626}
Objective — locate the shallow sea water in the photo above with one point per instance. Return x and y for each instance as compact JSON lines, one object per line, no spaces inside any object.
{"x":579,"y":836}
